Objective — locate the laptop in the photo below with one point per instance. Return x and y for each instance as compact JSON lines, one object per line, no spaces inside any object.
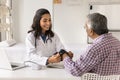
{"x":6,"y":64}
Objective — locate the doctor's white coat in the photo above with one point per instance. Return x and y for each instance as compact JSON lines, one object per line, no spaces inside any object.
{"x":43,"y":50}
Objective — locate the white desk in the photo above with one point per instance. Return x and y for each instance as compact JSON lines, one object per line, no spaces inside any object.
{"x":16,"y":53}
{"x":44,"y":74}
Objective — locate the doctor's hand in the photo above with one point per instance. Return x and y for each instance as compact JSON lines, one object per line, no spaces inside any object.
{"x":54,"y":58}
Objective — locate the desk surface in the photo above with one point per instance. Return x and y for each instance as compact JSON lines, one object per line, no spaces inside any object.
{"x":29,"y":74}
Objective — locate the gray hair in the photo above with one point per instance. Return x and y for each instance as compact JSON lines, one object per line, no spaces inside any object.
{"x":98,"y":23}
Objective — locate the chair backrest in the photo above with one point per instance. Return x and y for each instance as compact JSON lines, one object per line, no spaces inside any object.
{"x":92,"y":76}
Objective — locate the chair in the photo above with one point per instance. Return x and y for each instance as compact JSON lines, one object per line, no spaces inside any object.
{"x":92,"y":76}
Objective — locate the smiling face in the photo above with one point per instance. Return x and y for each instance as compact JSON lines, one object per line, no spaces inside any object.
{"x":45,"y":22}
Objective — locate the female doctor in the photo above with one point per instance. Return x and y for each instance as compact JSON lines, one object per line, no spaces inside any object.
{"x":41,"y":42}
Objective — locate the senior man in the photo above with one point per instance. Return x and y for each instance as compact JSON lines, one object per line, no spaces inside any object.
{"x":102,"y":56}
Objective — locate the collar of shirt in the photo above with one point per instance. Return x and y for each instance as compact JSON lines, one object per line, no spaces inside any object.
{"x":101,"y":36}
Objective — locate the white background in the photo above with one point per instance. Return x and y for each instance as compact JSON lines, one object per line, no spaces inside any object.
{"x":68,"y":19}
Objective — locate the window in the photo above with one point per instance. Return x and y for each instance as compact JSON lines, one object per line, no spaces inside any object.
{"x":5,"y":19}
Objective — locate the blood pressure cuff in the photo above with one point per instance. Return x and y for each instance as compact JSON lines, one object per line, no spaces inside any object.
{"x":61,"y":52}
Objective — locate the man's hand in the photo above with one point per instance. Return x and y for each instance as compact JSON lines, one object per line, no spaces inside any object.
{"x":68,"y":54}
{"x":54,"y":58}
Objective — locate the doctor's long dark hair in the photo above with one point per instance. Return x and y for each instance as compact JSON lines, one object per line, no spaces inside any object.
{"x":36,"y":28}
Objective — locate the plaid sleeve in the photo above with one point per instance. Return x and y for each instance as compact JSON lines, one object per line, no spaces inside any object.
{"x":83,"y":64}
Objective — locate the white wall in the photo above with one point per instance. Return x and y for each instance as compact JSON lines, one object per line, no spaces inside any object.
{"x":112,"y":12}
{"x":23,"y":13}
{"x":69,"y":21}
{"x":17,"y":19}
